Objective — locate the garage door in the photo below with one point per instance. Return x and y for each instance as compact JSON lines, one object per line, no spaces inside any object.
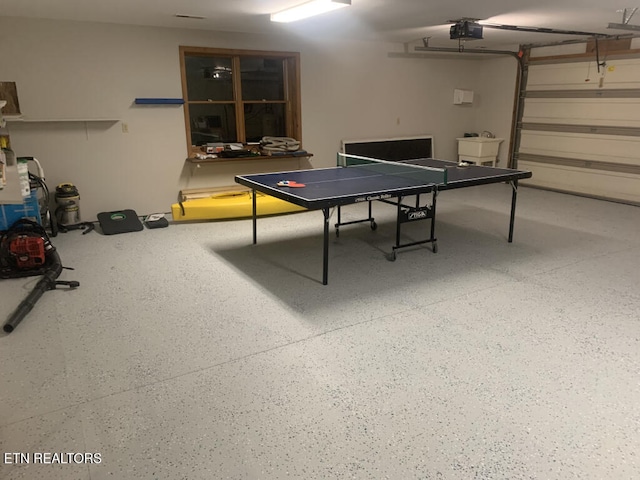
{"x":580,"y":126}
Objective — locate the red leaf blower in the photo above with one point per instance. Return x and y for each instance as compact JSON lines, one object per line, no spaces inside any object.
{"x":25,"y":250}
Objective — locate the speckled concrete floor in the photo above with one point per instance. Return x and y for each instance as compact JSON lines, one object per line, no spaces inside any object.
{"x":188,"y":353}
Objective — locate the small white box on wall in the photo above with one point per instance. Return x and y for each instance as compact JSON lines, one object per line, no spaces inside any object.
{"x":462,"y":96}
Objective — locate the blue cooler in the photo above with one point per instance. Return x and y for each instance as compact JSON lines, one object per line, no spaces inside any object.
{"x":10,"y":213}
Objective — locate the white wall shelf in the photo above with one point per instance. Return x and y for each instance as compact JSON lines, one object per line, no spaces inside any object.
{"x":54,"y":120}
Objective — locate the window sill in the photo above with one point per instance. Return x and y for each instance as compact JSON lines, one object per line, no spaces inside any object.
{"x":248,"y":158}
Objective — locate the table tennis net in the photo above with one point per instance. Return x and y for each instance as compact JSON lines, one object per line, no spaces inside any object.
{"x":426,"y":175}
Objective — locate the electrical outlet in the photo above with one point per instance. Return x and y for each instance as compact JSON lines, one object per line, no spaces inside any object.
{"x":125,"y":127}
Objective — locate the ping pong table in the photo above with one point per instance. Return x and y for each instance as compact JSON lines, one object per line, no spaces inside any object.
{"x":360,"y":179}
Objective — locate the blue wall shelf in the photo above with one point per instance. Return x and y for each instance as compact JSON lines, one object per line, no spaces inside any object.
{"x":159,"y":101}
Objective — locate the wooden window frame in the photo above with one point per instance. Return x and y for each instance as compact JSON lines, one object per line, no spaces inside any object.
{"x":291,"y":100}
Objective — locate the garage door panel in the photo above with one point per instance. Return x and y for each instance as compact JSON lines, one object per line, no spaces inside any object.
{"x":580,"y":111}
{"x":584,"y":181}
{"x":624,"y":73}
{"x":601,"y":148}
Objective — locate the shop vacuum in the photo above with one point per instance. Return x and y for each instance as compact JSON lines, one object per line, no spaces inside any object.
{"x":67,"y":214}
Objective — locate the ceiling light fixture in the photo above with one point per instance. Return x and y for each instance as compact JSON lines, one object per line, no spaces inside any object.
{"x":627,"y":13}
{"x":624,"y":26}
{"x":308,"y":9}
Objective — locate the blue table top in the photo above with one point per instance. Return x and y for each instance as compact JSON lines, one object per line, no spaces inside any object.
{"x":325,"y":187}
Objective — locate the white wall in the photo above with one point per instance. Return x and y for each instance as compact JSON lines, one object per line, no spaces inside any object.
{"x":349,"y":90}
{"x":496,"y":83}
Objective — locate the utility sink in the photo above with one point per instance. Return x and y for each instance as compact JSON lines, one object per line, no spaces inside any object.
{"x":479,"y":150}
{"x":479,"y":147}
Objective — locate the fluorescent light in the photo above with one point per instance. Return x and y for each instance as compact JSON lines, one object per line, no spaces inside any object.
{"x":308,"y":9}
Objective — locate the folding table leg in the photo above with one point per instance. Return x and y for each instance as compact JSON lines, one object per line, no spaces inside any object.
{"x":325,"y":250}
{"x":514,"y":195}
{"x":398,"y":223}
{"x":407,"y":214}
{"x":434,"y":244}
{"x":253,"y":201}
{"x":370,"y":219}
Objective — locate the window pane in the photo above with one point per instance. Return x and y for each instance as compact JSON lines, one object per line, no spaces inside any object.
{"x":264,"y":120}
{"x":262,"y":78}
{"x":212,"y":123}
{"x":209,"y":78}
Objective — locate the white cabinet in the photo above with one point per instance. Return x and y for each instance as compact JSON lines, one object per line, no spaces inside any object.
{"x":478,"y":150}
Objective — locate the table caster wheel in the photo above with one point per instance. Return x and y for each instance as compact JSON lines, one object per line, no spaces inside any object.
{"x":337,"y":232}
{"x":434,"y":247}
{"x":392,"y":256}
{"x":374,"y":225}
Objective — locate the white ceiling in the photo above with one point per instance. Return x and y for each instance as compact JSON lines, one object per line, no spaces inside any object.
{"x":389,"y":20}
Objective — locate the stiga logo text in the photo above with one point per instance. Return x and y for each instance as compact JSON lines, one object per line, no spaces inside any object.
{"x":417,"y":215}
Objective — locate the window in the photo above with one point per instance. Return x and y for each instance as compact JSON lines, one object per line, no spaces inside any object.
{"x":239,"y":96}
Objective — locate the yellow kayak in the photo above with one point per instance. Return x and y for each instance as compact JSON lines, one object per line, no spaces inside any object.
{"x":226,"y":205}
